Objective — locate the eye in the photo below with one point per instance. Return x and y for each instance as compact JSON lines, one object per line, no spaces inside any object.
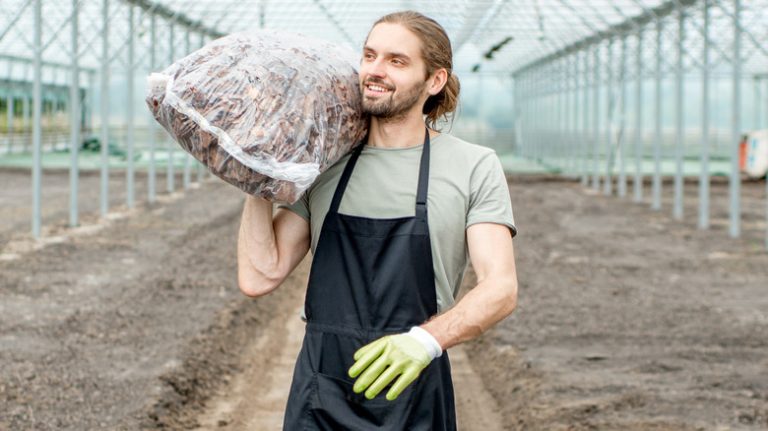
{"x":369,"y":56}
{"x":398,"y":62}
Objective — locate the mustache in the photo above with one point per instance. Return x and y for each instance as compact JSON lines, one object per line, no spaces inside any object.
{"x":378,"y":82}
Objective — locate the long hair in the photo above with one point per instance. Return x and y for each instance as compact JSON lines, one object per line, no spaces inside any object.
{"x":437,"y":53}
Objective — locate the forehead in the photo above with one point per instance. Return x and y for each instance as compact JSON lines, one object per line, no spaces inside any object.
{"x":389,"y":38}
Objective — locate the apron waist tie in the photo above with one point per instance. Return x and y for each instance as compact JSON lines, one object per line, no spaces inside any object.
{"x":353,"y":332}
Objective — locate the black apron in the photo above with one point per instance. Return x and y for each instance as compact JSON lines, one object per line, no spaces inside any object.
{"x":369,"y":278}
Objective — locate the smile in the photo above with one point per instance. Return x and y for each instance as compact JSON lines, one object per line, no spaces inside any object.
{"x":376,"y":88}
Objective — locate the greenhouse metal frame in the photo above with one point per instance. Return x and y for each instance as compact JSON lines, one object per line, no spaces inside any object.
{"x":599,"y":89}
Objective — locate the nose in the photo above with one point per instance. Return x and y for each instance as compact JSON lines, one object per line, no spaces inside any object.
{"x":376,"y":68}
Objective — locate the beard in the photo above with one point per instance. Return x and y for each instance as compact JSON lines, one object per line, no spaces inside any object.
{"x":387,"y":108}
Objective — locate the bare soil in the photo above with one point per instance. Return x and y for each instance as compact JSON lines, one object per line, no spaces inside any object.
{"x":627,"y":319}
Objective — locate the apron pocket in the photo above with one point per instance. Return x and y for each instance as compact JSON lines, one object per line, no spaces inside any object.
{"x":336,"y":406}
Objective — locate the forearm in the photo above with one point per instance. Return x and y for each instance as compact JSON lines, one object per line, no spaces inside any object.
{"x":489,"y":302}
{"x":257,"y":252}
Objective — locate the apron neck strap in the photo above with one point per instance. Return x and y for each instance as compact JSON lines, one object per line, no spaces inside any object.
{"x":421,"y":194}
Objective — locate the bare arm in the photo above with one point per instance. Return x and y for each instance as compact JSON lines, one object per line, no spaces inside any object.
{"x":494,"y":297}
{"x":269,"y":246}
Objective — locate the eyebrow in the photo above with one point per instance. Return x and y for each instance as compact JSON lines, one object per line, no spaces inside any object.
{"x":393,"y":54}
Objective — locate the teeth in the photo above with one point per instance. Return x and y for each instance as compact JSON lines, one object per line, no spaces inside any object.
{"x":376,"y":88}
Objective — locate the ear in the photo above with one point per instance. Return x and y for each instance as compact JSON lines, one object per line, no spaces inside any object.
{"x":437,"y":81}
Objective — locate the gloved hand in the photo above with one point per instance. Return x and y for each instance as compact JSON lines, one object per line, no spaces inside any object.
{"x":383,"y":360}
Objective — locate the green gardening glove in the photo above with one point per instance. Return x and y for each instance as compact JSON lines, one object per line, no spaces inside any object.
{"x":402,"y":357}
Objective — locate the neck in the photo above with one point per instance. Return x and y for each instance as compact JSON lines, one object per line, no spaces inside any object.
{"x":402,"y":132}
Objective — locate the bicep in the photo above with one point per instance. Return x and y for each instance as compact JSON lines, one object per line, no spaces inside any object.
{"x":293,"y":238}
{"x":491,"y":251}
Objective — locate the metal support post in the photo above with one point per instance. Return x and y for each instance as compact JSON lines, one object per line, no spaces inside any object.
{"x":561,"y":101}
{"x":677,"y":211}
{"x":705,"y":144}
{"x":105,"y":109}
{"x":638,"y":180}
{"x":129,"y":196}
{"x":574,"y":155}
{"x":596,"y":119}
{"x":735,"y":178}
{"x":622,"y":186}
{"x":75,"y":119}
{"x":610,"y":106}
{"x":153,"y":128}
{"x":566,"y":135}
{"x":585,"y":110}
{"x":37,"y":105}
{"x":656,"y":202}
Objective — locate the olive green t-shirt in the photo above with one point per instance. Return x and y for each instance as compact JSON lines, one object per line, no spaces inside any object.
{"x":466,"y":186}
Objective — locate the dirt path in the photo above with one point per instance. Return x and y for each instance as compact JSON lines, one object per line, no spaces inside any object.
{"x":255,"y":399}
{"x":627,"y":320}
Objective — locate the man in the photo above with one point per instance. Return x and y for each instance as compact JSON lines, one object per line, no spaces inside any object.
{"x":391,"y":227}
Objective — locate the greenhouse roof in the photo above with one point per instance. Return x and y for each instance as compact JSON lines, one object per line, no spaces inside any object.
{"x":488,"y":35}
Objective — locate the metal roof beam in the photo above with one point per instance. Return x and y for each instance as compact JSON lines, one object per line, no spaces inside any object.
{"x":641,"y":20}
{"x":25,"y":60}
{"x":175,"y":16}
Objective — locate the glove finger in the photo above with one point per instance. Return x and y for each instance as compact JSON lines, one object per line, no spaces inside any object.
{"x":405,"y":379}
{"x":384,"y":379}
{"x":370,"y":374}
{"x":371,"y":352}
{"x":363,"y":350}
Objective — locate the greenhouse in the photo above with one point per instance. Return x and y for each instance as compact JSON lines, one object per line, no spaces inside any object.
{"x":143,"y":141}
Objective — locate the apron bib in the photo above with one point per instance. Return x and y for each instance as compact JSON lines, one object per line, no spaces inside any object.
{"x":369,"y":278}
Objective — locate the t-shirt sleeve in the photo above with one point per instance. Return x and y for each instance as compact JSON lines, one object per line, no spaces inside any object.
{"x":300,"y":207}
{"x":489,"y":200}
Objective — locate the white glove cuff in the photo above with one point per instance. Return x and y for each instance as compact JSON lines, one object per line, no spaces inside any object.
{"x":433,"y":348}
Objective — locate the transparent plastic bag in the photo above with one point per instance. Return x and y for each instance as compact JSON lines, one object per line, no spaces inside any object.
{"x":265,"y":111}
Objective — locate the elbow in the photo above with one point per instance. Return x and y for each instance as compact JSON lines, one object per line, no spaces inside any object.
{"x":255,"y":285}
{"x":510,"y":297}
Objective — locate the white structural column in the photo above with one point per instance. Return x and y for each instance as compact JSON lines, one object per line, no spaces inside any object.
{"x":609,"y":111}
{"x":622,"y":186}
{"x":153,"y":127}
{"x":638,"y":179}
{"x":677,"y":209}
{"x":596,"y":119}
{"x":705,"y":142}
{"x":585,"y":109}
{"x":37,"y":102}
{"x":656,"y":201}
{"x":560,"y":90}
{"x":75,"y":113}
{"x":104,"y":137}
{"x":129,"y":196}
{"x":735,"y":178}
{"x":574,"y":153}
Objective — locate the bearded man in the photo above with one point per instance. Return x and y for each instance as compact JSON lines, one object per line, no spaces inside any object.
{"x":392,"y":227}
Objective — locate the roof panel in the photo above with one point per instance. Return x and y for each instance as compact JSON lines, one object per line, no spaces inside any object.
{"x":536,"y":28}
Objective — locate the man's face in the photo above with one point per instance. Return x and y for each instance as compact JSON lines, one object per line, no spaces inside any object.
{"x":392,"y":72}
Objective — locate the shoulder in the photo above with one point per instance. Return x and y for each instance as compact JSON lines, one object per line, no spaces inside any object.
{"x":458,"y":146}
{"x":461,"y":154}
